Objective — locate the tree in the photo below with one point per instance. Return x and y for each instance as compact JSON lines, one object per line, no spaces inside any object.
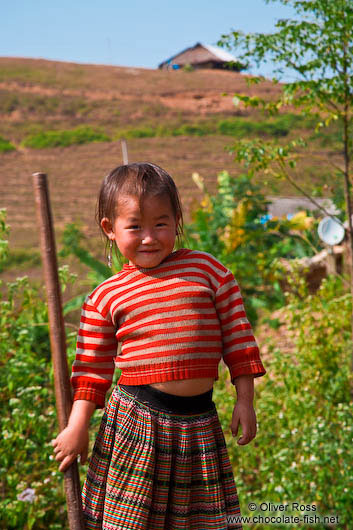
{"x":317,"y":47}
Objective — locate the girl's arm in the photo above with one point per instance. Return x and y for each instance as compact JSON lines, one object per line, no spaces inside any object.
{"x":73,"y":440}
{"x":244,"y":413}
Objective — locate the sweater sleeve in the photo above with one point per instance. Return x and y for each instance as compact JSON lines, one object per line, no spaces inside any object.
{"x":93,"y":367}
{"x":240,"y":350}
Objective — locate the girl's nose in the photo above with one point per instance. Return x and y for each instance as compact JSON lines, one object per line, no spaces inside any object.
{"x":147,"y":237}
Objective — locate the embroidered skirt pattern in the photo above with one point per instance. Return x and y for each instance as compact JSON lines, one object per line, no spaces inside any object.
{"x":155,"y":470}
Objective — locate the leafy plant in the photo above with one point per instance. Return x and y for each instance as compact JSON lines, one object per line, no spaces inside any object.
{"x":303,"y":448}
{"x":31,"y":487}
{"x":74,"y":244}
{"x":234,"y":225}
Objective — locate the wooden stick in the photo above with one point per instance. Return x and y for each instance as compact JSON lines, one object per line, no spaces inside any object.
{"x":57,"y":341}
{"x":124,"y":151}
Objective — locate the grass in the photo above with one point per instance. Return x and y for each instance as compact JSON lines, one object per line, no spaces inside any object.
{"x":5,"y":145}
{"x":280,"y":126}
{"x":80,"y":135}
{"x":236,"y":127}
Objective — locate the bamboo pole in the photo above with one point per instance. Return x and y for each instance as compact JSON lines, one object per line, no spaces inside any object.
{"x":57,"y":341}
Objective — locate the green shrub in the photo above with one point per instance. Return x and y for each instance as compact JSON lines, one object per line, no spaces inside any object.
{"x":5,"y":145}
{"x":303,"y":450}
{"x":31,"y":487}
{"x":21,"y":259}
{"x":80,"y":135}
{"x":282,"y":125}
{"x":194,"y":130}
{"x":239,"y":127}
{"x":232,"y":225}
{"x":142,"y":132}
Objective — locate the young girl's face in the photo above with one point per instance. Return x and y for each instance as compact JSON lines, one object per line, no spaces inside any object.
{"x":145,"y":237}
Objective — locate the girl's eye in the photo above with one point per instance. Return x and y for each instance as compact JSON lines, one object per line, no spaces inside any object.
{"x":133,"y":227}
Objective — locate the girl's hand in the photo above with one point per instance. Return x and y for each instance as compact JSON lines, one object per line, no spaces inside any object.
{"x":244,"y":415}
{"x":70,"y":443}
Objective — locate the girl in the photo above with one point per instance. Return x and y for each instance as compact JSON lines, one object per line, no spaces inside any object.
{"x":159,"y":461}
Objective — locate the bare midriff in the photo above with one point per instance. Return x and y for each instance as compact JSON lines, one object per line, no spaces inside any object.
{"x":185,"y":387}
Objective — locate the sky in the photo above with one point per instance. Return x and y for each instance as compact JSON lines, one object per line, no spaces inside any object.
{"x":139,"y":33}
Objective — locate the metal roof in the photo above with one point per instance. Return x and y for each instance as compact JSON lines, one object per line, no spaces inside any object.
{"x":217,"y":52}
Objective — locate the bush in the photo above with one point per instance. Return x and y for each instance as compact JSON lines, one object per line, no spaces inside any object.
{"x":27,"y":415}
{"x":80,"y":135}
{"x":233,"y":225}
{"x":303,"y":450}
{"x":143,"y":132}
{"x":31,"y":487}
{"x":193,"y":130}
{"x":6,"y":146}
{"x":282,"y":125}
{"x":239,"y":127}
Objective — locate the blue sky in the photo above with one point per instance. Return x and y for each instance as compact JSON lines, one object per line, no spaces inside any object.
{"x":137,"y":33}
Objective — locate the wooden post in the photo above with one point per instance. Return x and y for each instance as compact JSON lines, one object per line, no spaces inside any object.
{"x":124,"y":151}
{"x":57,"y":341}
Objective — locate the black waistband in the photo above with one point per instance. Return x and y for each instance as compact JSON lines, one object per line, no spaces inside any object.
{"x":170,"y":402}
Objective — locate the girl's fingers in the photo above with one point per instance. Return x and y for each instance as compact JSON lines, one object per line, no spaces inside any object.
{"x":246,"y":437}
{"x":59,"y":455}
{"x":235,"y":426}
{"x":66,"y":462}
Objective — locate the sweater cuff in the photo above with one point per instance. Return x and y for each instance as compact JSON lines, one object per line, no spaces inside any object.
{"x":90,"y":394}
{"x":255,"y":368}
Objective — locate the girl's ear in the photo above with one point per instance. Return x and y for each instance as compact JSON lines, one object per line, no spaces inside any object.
{"x":107,"y":228}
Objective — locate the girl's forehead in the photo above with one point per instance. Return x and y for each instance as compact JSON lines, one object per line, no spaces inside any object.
{"x":128,"y":205}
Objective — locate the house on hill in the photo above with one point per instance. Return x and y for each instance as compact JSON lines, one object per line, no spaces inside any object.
{"x":202,"y":56}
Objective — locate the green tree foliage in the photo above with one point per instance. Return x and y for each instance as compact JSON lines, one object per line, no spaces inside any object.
{"x":317,"y":47}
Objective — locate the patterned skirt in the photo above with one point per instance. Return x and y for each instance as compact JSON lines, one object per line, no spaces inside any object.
{"x":154,"y":468}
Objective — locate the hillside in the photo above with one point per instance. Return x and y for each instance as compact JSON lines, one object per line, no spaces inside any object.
{"x":176,"y":119}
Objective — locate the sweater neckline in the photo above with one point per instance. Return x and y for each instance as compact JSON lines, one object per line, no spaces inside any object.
{"x":128,"y":267}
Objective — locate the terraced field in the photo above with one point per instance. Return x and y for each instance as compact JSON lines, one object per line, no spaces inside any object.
{"x":171,"y":118}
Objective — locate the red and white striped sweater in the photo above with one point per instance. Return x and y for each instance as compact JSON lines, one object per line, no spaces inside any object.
{"x":174,"y":321}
